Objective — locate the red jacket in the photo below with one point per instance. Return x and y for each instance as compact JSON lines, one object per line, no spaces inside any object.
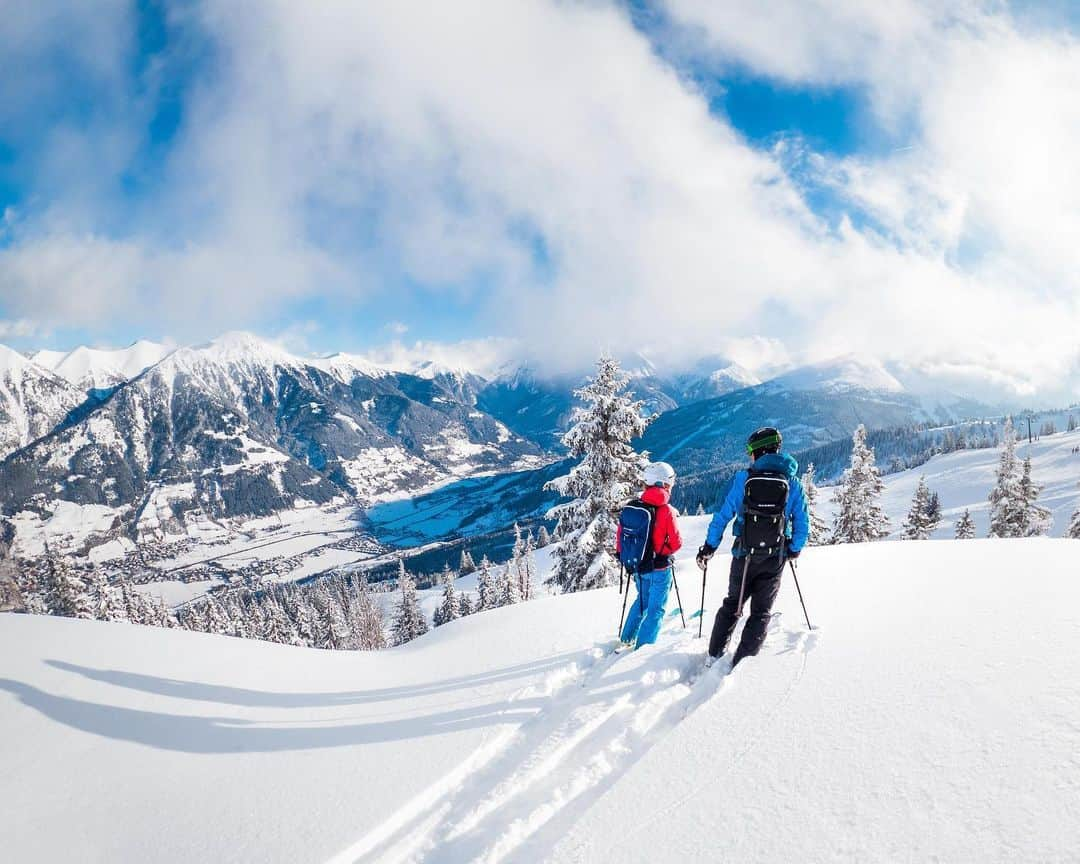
{"x":666,"y":538}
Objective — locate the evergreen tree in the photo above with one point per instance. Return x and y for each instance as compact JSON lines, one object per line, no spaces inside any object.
{"x":409,"y":621}
{"x":608,"y":472}
{"x":276,"y":625}
{"x":1037,"y":519}
{"x":543,"y":538}
{"x":819,"y":530}
{"x":107,"y":603}
{"x":467,"y":564}
{"x":509,"y":592}
{"x":68,"y":593}
{"x":372,"y":632}
{"x":216,"y":618}
{"x":487,"y":590}
{"x":1074,"y":526}
{"x":333,"y":627}
{"x":1072,"y":423}
{"x":134,"y":609}
{"x":465,"y":605}
{"x":933,"y":511}
{"x":859,"y":516}
{"x":965,"y":527}
{"x":1008,"y":510}
{"x":528,"y":568}
{"x":700,"y":509}
{"x":919,"y":524}
{"x":450,"y":607}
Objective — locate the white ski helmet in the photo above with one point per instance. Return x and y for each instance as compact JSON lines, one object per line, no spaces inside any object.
{"x":659,"y":474}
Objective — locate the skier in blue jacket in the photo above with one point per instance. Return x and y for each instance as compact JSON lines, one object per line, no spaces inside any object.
{"x":762,"y":575}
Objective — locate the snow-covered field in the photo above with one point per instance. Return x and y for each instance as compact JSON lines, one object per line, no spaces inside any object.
{"x":964,"y":480}
{"x":933,"y":715}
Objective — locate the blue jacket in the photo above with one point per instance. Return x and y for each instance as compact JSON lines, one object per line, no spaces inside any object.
{"x":798,"y":517}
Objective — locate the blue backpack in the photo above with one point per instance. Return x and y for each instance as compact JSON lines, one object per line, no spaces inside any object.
{"x":636,"y":521}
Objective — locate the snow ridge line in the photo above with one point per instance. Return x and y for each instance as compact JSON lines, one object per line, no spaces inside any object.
{"x":419,"y":811}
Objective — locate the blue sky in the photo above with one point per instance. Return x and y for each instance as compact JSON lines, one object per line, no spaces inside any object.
{"x":573,"y":176}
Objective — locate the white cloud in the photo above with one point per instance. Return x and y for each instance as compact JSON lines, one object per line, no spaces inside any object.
{"x":545,"y":151}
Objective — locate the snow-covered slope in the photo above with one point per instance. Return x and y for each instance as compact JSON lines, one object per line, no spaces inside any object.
{"x":32,"y":400}
{"x":963,"y":480}
{"x":100,"y":369}
{"x":930,"y":717}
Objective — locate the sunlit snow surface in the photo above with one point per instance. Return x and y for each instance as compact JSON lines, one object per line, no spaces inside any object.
{"x":933,"y":715}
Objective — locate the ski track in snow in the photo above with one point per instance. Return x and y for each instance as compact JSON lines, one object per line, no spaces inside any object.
{"x":515,"y":797}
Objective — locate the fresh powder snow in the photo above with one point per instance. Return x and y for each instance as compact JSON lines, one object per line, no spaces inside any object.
{"x":931,"y":715}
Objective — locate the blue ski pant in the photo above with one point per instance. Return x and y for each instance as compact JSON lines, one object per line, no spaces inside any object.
{"x":652,"y":595}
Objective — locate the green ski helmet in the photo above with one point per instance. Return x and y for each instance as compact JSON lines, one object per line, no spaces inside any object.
{"x":767,"y":439}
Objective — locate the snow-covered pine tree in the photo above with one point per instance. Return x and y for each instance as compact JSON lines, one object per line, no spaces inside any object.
{"x":965,"y":527}
{"x":216,"y":618}
{"x":1037,"y":518}
{"x":409,"y":621}
{"x":450,"y":607}
{"x":700,"y":509}
{"x":509,"y":592}
{"x":487,"y":589}
{"x":161,"y":615}
{"x":134,"y":608}
{"x":1008,"y":510}
{"x":543,"y":538}
{"x":333,"y":626}
{"x":917,"y":525}
{"x":528,"y":568}
{"x":465,"y":604}
{"x":108,"y":605}
{"x":69,"y":594}
{"x":819,"y":530}
{"x":1073,"y":530}
{"x":276,"y":624}
{"x":467,"y":564}
{"x":933,"y":511}
{"x":859,"y":515}
{"x":607,"y":474}
{"x":522,"y":565}
{"x":193,"y":617}
{"x":372,"y":633}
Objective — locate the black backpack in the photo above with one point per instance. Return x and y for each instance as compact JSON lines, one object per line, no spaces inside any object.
{"x":764,"y":530}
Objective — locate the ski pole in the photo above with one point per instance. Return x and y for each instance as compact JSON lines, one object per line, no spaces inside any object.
{"x":742,"y":588}
{"x":675,"y":582}
{"x":701,"y":614}
{"x":797,"y":588}
{"x":626,"y":594}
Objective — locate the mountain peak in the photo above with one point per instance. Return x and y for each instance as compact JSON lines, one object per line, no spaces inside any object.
{"x":845,"y":372}
{"x":12,"y":361}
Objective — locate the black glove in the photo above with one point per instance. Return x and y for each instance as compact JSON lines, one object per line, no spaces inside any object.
{"x":791,"y":553}
{"x":704,"y":554}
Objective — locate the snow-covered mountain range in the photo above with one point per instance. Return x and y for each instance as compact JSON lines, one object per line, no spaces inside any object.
{"x":239,"y":427}
{"x":100,"y":369}
{"x":148,"y":438}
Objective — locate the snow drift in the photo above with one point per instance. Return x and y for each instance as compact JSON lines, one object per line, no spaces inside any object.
{"x":932,"y":715}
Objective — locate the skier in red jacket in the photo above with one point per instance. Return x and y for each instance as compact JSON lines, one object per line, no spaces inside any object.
{"x":647,"y":613}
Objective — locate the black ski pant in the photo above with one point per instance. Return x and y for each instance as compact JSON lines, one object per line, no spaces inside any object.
{"x":762,"y":586}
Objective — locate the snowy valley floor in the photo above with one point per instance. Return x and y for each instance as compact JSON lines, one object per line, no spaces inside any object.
{"x":933,"y":715}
